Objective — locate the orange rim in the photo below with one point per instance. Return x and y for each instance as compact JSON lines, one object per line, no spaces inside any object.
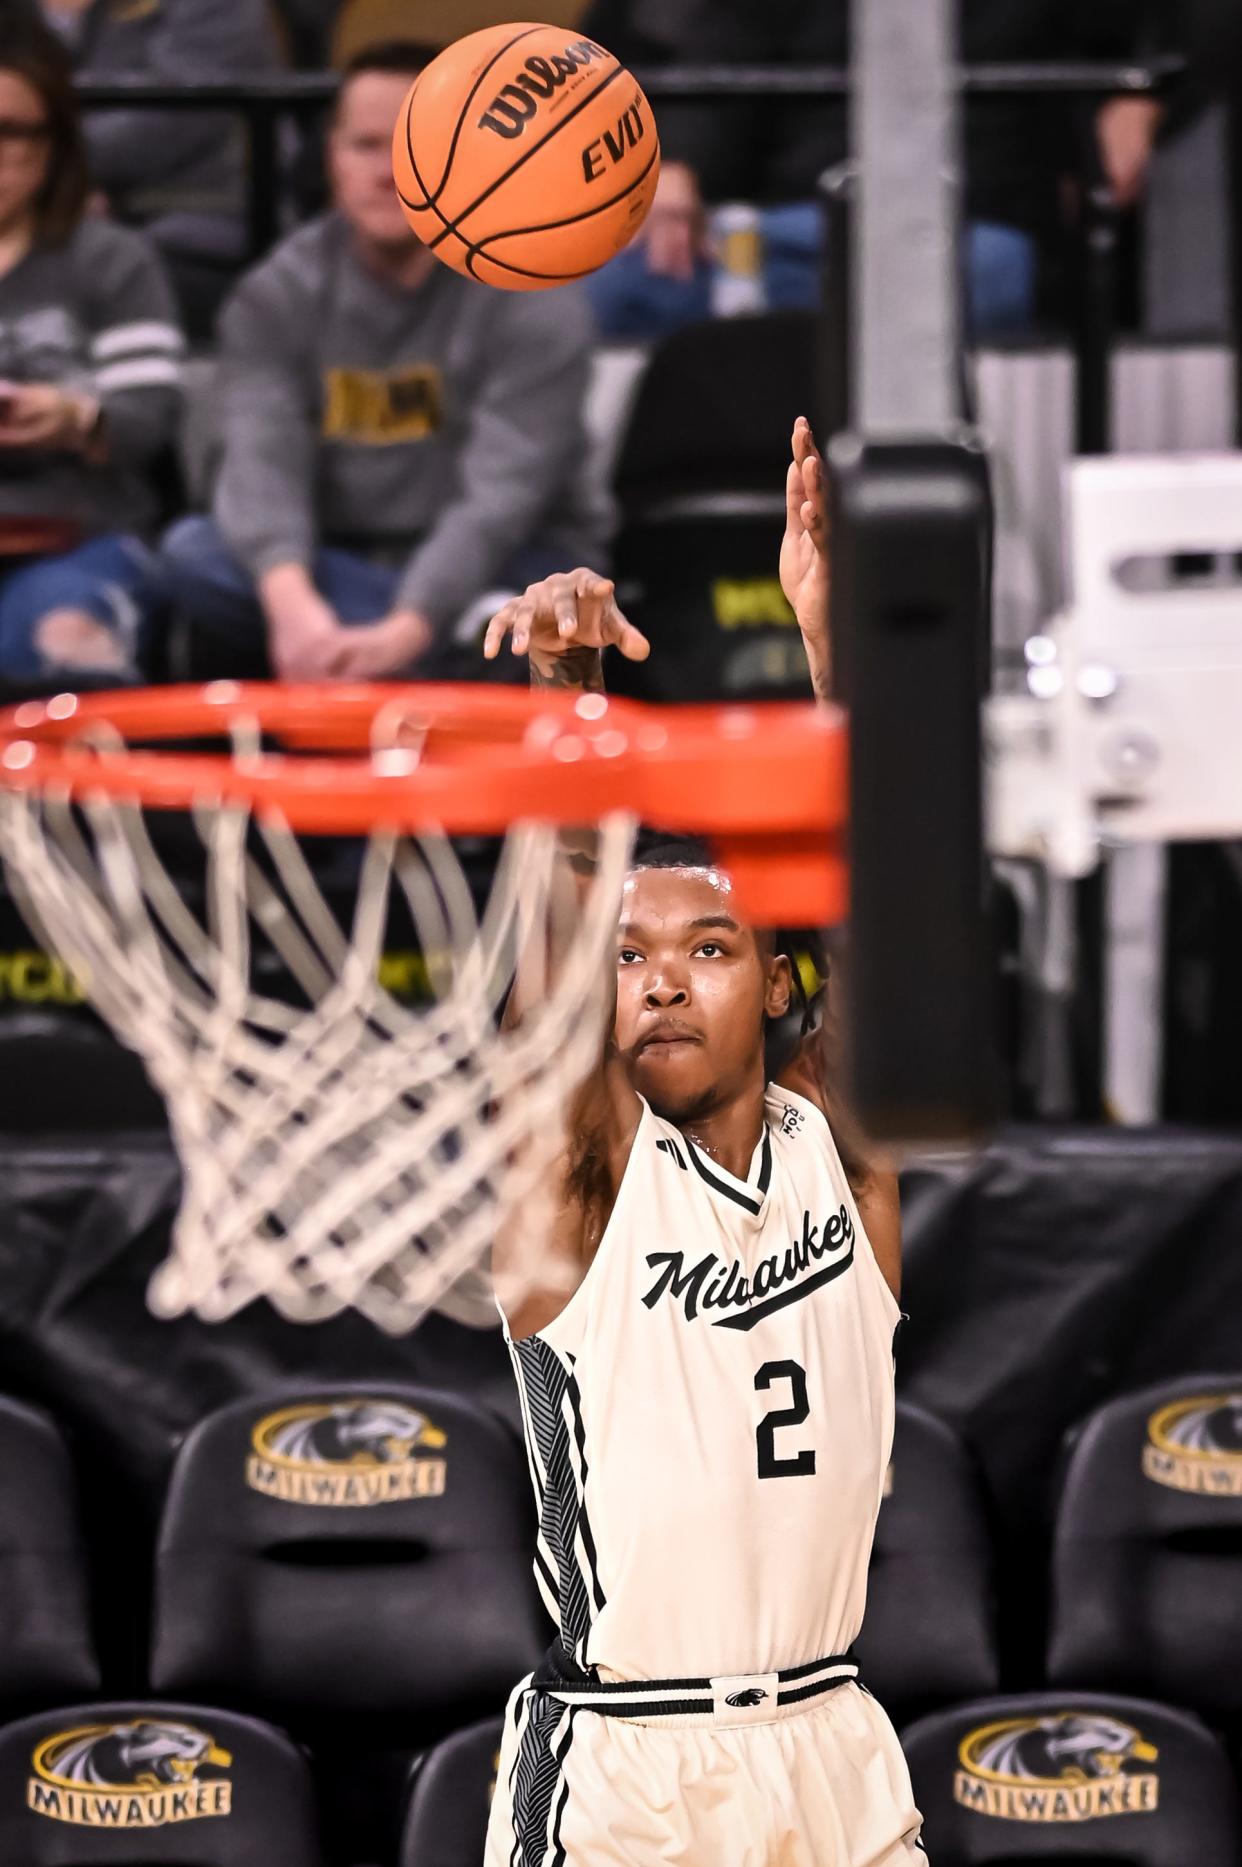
{"x":768,"y":783}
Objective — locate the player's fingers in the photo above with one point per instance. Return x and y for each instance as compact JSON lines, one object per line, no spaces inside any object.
{"x":594,"y":594}
{"x":620,"y":631}
{"x":525,"y":614}
{"x":815,"y":525}
{"x":565,"y":607}
{"x":795,"y":494}
{"x":803,"y":439}
{"x":497,"y":629}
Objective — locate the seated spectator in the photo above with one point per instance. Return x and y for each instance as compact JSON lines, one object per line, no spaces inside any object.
{"x":89,"y":390}
{"x":773,"y":151}
{"x":178,"y":173}
{"x":399,"y":441}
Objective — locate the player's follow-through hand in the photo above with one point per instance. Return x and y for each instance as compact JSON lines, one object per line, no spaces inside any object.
{"x":573,"y":610}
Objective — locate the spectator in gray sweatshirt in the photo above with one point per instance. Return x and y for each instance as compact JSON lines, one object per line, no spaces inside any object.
{"x":398,"y":441}
{"x":180,"y":174}
{"x":89,"y":390}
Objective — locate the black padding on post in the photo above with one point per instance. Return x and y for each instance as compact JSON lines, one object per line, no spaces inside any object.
{"x":910,"y":558}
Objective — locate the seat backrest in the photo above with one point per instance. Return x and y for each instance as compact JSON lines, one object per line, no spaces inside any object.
{"x":715,"y":410}
{"x":46,"y":1647}
{"x":349,"y":1549}
{"x":1147,"y":1563}
{"x":123,"y":1785}
{"x":700,"y":579}
{"x":451,"y":1793}
{"x":929,"y":1634}
{"x":1072,"y":1777}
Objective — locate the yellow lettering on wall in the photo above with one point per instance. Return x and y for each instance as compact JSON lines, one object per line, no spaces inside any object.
{"x":750,"y":603}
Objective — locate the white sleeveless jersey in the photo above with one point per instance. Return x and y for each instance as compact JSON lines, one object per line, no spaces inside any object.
{"x":710,"y":1418}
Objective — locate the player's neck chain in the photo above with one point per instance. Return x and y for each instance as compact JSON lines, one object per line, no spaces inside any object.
{"x":711,"y":1284}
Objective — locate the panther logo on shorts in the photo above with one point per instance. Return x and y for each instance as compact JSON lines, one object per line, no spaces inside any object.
{"x":750,"y":1695}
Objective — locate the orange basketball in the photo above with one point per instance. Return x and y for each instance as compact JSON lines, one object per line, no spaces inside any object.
{"x":525,"y":156}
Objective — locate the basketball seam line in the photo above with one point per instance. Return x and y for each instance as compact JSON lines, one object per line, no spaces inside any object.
{"x":454,"y":225}
{"x":461,"y":115}
{"x":477,"y":251}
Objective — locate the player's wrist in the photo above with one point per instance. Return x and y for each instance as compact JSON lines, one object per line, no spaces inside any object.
{"x":580,"y":670}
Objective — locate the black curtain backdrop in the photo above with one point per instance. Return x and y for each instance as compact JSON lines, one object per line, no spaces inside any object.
{"x":1044,"y":1275}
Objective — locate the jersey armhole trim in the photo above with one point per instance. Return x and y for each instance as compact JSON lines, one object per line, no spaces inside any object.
{"x":551,"y":1333}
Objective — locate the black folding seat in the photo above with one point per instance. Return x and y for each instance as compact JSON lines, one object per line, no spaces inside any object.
{"x":127,"y":1785}
{"x":352,"y":1549}
{"x":929,"y":1634}
{"x":1072,"y":1777}
{"x":700,"y":483}
{"x":354,"y":1561}
{"x":46,"y":1648}
{"x":451,"y":1793}
{"x":1147,"y":1562}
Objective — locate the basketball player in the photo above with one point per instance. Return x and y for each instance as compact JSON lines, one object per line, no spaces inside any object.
{"x":704,"y":1358}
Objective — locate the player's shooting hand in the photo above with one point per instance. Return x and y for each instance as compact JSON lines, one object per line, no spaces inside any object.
{"x":569,"y":612}
{"x":804,"y":550}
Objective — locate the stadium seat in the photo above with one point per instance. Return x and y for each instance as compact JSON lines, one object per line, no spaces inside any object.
{"x":46,"y":1649}
{"x":698,"y":479}
{"x":1072,"y":1777}
{"x":349,"y":1551}
{"x":1147,"y":1562}
{"x":929,"y":1635}
{"x":124,"y":1785}
{"x":450,"y":1796}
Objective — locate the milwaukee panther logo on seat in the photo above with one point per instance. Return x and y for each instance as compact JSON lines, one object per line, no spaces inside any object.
{"x":774,"y":1283}
{"x":347,"y":1453}
{"x":1195,"y":1444}
{"x":142,"y":1774}
{"x":1069,"y":1766}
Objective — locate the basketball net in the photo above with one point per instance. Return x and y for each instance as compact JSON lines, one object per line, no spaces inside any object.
{"x":349,"y":1151}
{"x":340,"y":1148}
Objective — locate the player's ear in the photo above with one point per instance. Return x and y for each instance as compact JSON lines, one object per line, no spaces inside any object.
{"x":779,"y":991}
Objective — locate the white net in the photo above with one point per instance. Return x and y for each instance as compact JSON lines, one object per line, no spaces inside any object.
{"x":344,"y":1149}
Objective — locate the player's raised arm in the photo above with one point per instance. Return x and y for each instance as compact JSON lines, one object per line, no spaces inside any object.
{"x":804,"y":554}
{"x":562,"y":625}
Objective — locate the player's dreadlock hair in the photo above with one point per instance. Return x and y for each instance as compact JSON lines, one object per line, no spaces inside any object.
{"x":802,"y":947}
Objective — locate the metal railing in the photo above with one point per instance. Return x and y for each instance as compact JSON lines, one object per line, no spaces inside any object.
{"x":265,"y":103}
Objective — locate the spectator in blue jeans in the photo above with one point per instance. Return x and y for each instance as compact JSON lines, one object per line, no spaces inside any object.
{"x":399,"y":441}
{"x":89,"y":392}
{"x":773,"y":150}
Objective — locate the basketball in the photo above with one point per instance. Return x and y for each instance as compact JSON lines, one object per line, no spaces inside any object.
{"x":525,"y":156}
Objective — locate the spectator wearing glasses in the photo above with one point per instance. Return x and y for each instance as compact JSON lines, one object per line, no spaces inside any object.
{"x":180,"y":174}
{"x":89,"y":390}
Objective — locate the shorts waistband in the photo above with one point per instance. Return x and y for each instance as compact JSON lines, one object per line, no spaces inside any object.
{"x":730,"y":1698}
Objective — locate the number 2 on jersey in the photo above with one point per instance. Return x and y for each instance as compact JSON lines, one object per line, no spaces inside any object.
{"x":801,"y":1464}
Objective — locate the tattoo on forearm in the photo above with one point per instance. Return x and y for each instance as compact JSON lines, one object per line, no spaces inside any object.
{"x":577,"y":668}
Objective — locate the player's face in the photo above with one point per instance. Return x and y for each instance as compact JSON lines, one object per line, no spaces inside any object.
{"x":360,"y":157}
{"x":694,"y":984}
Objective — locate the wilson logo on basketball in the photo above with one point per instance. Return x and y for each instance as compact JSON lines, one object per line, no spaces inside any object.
{"x":143,"y":1774}
{"x":347,"y":1454}
{"x":1070,"y":1766}
{"x":539,"y":79}
{"x":1196,"y":1445}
